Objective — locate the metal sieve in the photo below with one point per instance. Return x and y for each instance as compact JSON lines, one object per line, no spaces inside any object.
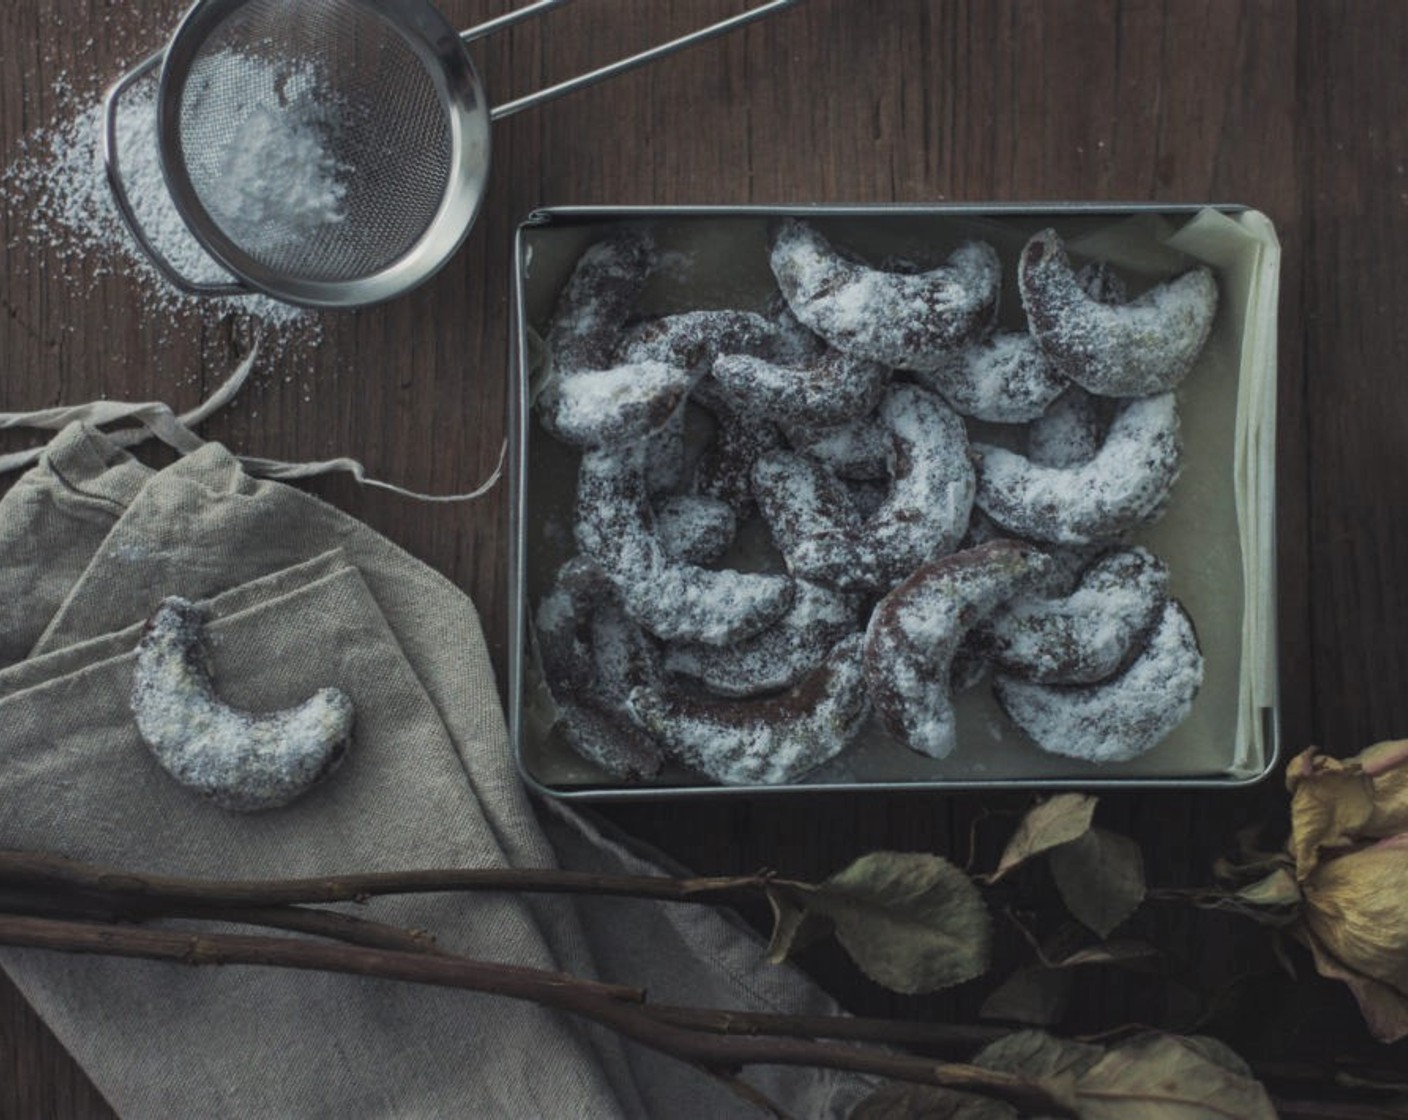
{"x":385,"y":132}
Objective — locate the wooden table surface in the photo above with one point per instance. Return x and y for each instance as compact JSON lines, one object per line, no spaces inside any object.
{"x":1298,"y":109}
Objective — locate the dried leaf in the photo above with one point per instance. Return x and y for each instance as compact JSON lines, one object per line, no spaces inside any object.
{"x":789,"y":916}
{"x":1111,"y":952}
{"x":912,"y":922}
{"x":1166,"y":1077}
{"x":927,"y":1102}
{"x":1100,"y":877}
{"x":1058,"y":820}
{"x":1276,"y":890}
{"x":1036,"y":996}
{"x":1038,"y":1054}
{"x":1274,"y":900}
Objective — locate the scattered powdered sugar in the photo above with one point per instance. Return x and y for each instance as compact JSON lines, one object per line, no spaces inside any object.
{"x":59,"y":183}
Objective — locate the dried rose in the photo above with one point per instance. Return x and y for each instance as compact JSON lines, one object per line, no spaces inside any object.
{"x":1349,"y":839}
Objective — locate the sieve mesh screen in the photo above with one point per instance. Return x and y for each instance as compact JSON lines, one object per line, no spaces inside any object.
{"x":315,"y":136}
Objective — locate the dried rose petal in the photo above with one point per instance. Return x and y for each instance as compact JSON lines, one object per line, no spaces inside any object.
{"x":1338,"y":803}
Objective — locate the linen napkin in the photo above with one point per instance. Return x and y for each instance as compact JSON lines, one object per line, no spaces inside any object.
{"x":301,"y":596}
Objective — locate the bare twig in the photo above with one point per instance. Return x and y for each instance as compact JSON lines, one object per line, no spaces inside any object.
{"x":50,"y":872}
{"x":298,"y":919}
{"x":611,"y":1005}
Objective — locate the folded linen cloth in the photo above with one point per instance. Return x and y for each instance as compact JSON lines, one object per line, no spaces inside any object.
{"x":300,"y":596}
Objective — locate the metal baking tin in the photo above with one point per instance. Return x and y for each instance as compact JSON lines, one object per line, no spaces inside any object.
{"x":520,"y":439}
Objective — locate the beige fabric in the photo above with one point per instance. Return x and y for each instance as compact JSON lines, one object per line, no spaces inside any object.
{"x":302,"y":596}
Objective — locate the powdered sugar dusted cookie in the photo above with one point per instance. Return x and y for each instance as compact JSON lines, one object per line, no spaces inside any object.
{"x":829,"y":389}
{"x":811,"y":518}
{"x":593,"y":308}
{"x":244,"y":761}
{"x":899,"y":319}
{"x":1121,"y":718}
{"x":1135,"y":349}
{"x":586,"y":401}
{"x":924,"y":515}
{"x":778,"y":657}
{"x":673,"y":600}
{"x":695,"y":528}
{"x":858,"y":450}
{"x":692,"y":340}
{"x":763,"y":741}
{"x":725,"y":469}
{"x":1088,"y":635}
{"x":1068,"y":433}
{"x":1125,"y":486}
{"x":915,"y":632}
{"x":1005,"y":379}
{"x":604,"y":407}
{"x":591,"y":657}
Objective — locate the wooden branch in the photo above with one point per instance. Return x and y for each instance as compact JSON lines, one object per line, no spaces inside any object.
{"x":948,"y":1038}
{"x":611,"y":1005}
{"x":297,"y":919}
{"x":36,"y":870}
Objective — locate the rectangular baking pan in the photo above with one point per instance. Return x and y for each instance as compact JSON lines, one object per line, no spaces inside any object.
{"x":1218,"y":535}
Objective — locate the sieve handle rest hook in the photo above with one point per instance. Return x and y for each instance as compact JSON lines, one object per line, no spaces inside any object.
{"x":120,"y":198}
{"x":508,"y":108}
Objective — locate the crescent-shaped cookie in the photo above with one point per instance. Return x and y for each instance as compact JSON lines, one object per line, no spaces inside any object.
{"x":1004,"y":379}
{"x":1088,"y":635}
{"x":831,"y":388}
{"x":243,"y":761}
{"x":1121,"y":718}
{"x":591,"y":657}
{"x":1068,"y":433}
{"x":1125,"y":486}
{"x":858,"y":450}
{"x":695,"y":528}
{"x":902,"y":320}
{"x":725,"y":469}
{"x":763,"y":741}
{"x":599,"y":408}
{"x":924,"y":515}
{"x":778,"y":657}
{"x":915,"y":632}
{"x":586,"y":401}
{"x":1133,"y":349}
{"x":594,"y":306}
{"x":673,"y":600}
{"x":693,"y":340}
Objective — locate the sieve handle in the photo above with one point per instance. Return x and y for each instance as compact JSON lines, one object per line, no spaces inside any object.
{"x":723,"y":27}
{"x":120,"y":197}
